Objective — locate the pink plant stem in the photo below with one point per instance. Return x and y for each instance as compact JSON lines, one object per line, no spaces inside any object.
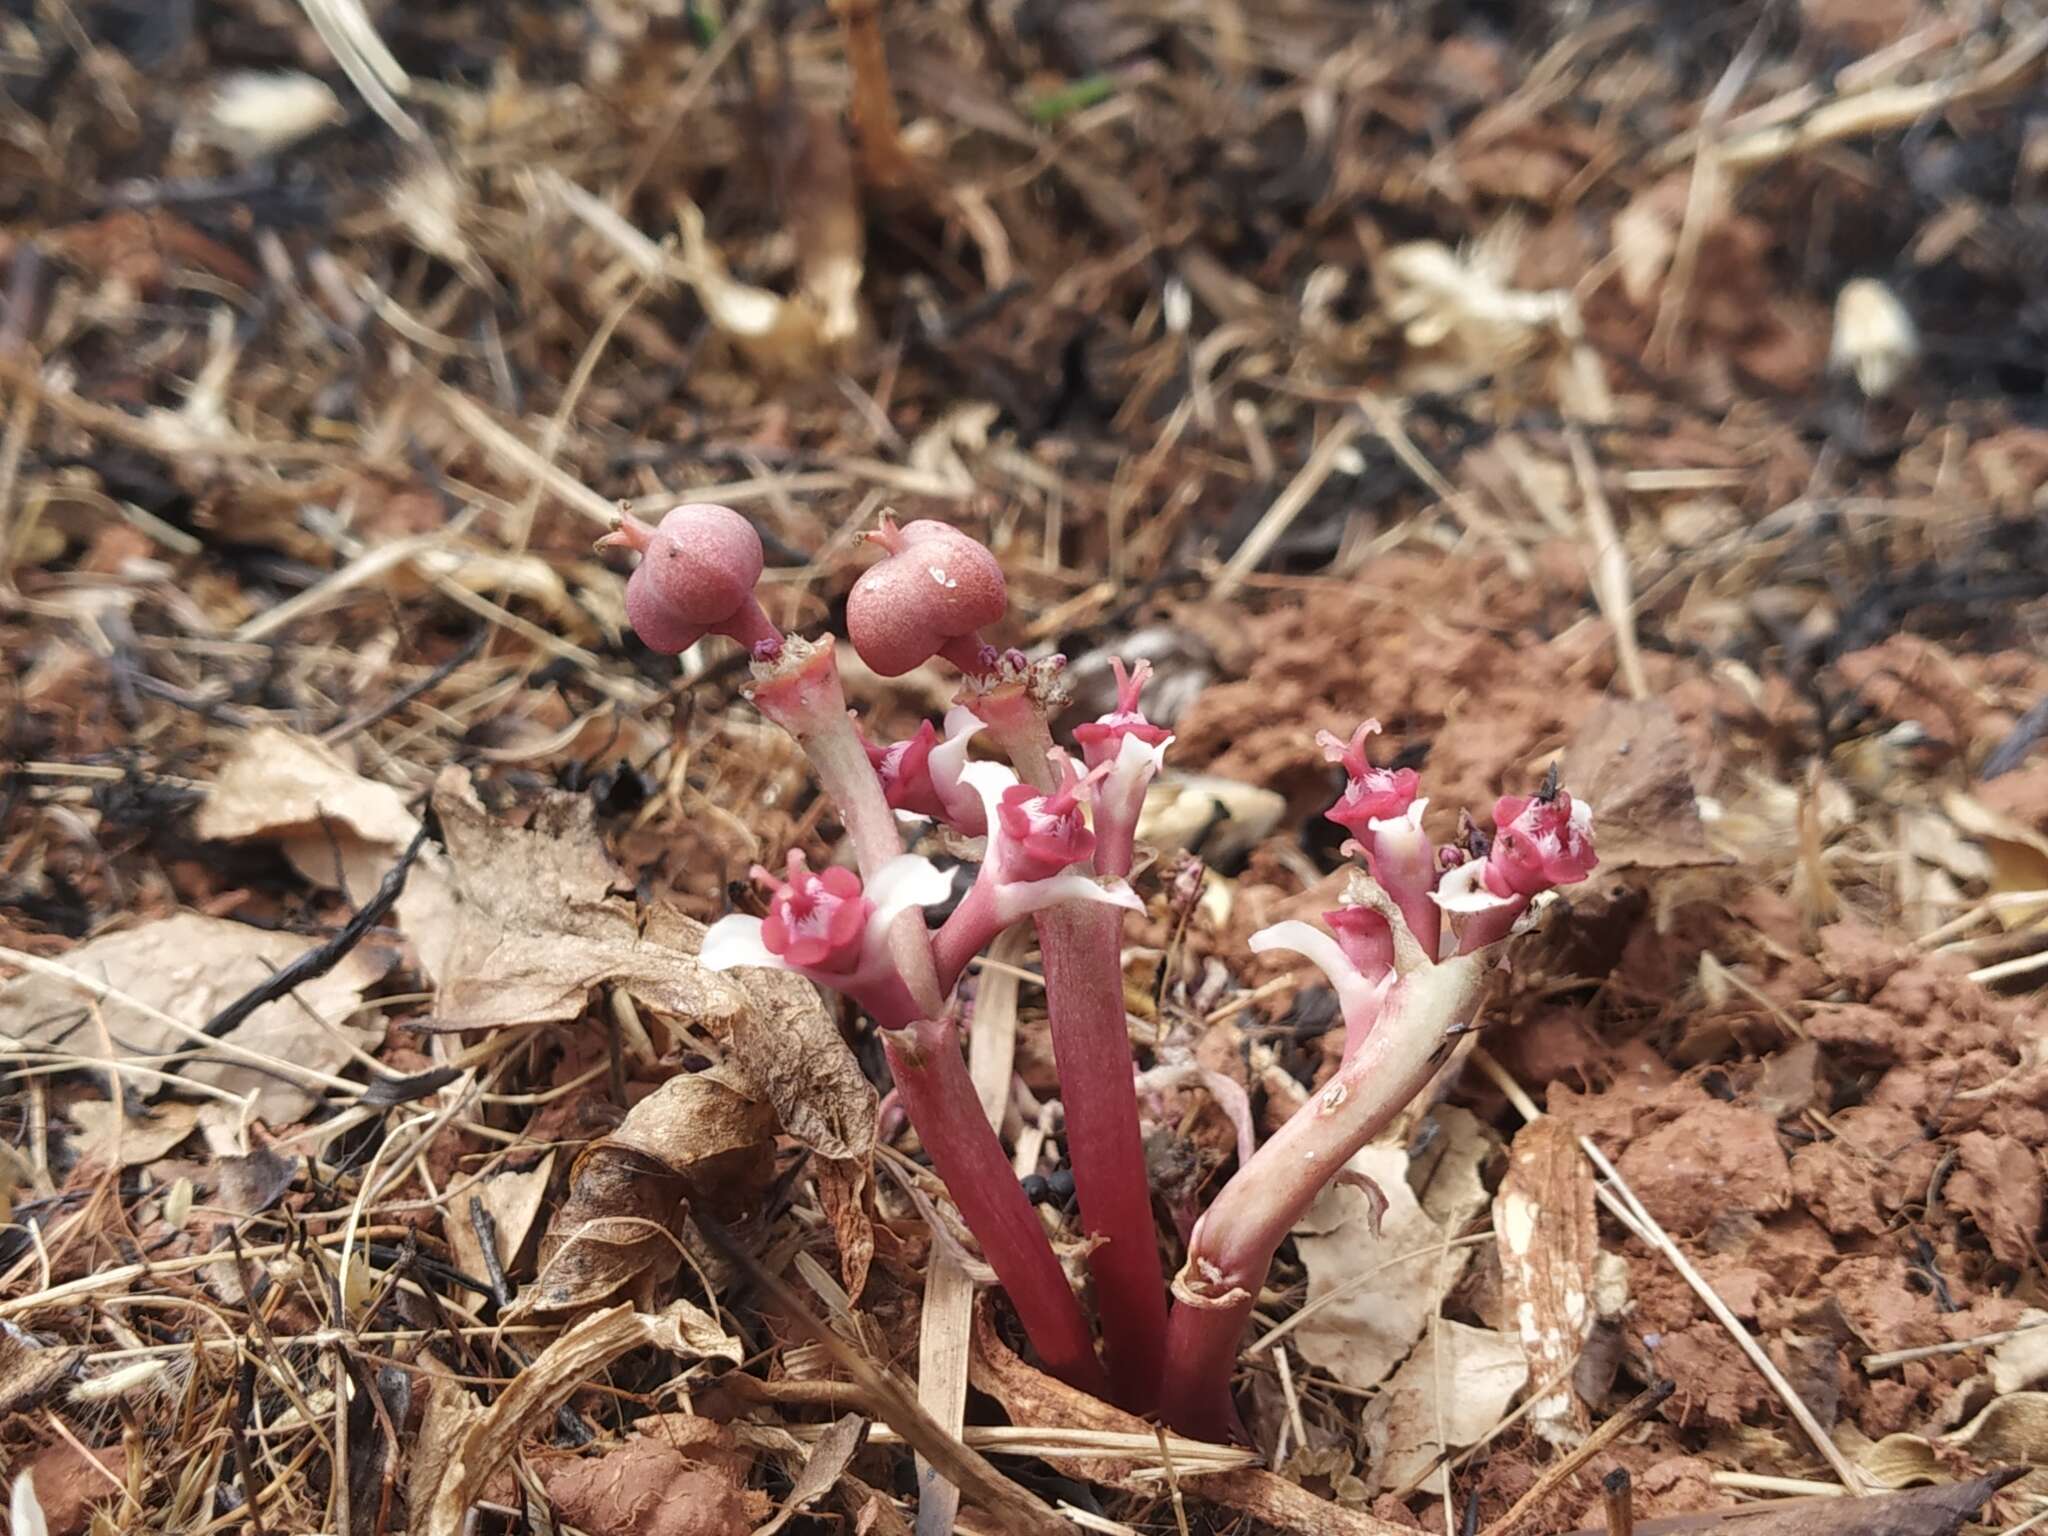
{"x":933,"y":1083}
{"x":1233,"y":1244}
{"x":1081,"y":946}
{"x":970,"y":929}
{"x":803,"y":695}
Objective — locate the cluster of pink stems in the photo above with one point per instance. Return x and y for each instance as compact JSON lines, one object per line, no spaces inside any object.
{"x":1406,"y":953}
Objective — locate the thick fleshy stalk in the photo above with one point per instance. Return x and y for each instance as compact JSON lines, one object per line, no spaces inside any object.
{"x":798,"y":688}
{"x":1082,"y":950}
{"x":933,"y":1084}
{"x":1232,"y":1246}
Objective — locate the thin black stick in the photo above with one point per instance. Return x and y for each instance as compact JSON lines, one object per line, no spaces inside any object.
{"x":318,"y":962}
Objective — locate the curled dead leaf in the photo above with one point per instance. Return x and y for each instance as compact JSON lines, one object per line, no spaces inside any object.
{"x":698,"y":1136}
{"x":478,"y":1442}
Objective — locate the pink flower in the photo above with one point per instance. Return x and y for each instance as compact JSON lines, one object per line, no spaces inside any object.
{"x":904,"y":767}
{"x":1539,"y":841}
{"x":1045,"y":833}
{"x":921,"y":776}
{"x":815,"y":922}
{"x":1366,"y":938}
{"x":830,"y":928}
{"x":1370,"y":794}
{"x":1102,"y":738}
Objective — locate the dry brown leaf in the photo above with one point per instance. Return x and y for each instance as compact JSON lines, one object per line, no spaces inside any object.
{"x":829,"y":1455}
{"x":110,"y":1138}
{"x":541,"y":922}
{"x":1391,"y":1279}
{"x":1549,"y":1242}
{"x":481,"y":1443}
{"x":280,"y":785}
{"x":2011,"y":1428}
{"x":2023,"y":1359}
{"x":1453,"y":1389}
{"x":696,"y":1136}
{"x":29,"y":1370}
{"x":1630,"y":762}
{"x":190,"y":967}
{"x":336,"y":827}
{"x":512,"y":1201}
{"x":786,"y":1045}
{"x":844,"y":1188}
{"x":2018,"y":854}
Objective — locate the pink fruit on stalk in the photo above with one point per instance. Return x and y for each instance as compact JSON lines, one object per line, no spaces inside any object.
{"x":931,"y":597}
{"x":696,"y":577}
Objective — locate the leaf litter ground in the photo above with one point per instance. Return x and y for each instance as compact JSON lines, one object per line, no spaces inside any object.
{"x":376,"y":1155}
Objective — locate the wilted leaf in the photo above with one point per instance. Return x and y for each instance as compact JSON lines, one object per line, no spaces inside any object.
{"x":1630,"y":762}
{"x":786,"y":1046}
{"x":190,"y":967}
{"x":334,"y":825}
{"x":541,"y":923}
{"x":2018,"y":854}
{"x":254,"y":1182}
{"x":1549,"y":1243}
{"x":277,"y":784}
{"x":829,"y":1455}
{"x":110,"y":1137}
{"x":1453,"y":1389}
{"x":2023,"y":1359}
{"x":695,"y":1137}
{"x":1388,"y":1282}
{"x":512,"y":1201}
{"x":843,"y":1185}
{"x":652,"y":1487}
{"x":481,"y":1443}
{"x":2011,"y":1428}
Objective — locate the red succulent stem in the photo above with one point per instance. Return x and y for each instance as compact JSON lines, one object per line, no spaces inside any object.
{"x":971,"y":928}
{"x":933,"y":1084}
{"x":1080,"y":946}
{"x":799,"y":690}
{"x":751,"y":626}
{"x":1233,"y":1244}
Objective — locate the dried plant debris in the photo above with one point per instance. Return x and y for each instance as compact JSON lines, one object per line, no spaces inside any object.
{"x":365,"y":1108}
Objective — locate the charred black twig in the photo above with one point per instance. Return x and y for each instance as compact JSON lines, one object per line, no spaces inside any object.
{"x":357,"y":724}
{"x":319,"y":961}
